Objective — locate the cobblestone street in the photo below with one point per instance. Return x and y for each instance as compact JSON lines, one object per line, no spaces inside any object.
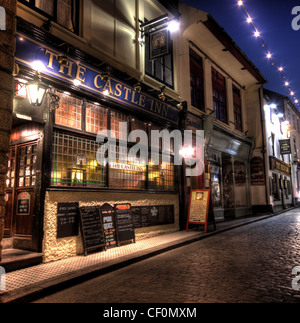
{"x":248,"y":264}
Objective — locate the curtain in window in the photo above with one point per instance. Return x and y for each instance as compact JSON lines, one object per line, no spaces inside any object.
{"x":64,"y":13}
{"x":46,"y":6}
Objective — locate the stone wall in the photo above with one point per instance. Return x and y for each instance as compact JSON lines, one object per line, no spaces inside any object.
{"x":55,"y":249}
{"x":7,"y":50}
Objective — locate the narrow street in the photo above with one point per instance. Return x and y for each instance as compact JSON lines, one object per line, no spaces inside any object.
{"x":252,"y":263}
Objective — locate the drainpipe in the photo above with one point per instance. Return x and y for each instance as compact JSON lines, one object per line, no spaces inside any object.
{"x":264,"y":150}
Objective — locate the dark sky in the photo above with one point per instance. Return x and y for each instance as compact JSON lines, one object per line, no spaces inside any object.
{"x":273,"y":18}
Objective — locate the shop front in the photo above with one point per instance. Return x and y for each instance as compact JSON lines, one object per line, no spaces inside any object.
{"x":280,"y":185}
{"x":228,"y":156}
{"x":79,"y":147}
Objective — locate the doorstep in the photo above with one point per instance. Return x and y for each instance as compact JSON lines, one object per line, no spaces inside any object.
{"x":15,"y":259}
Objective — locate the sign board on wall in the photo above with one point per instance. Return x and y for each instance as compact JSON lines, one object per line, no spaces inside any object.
{"x":67,"y":220}
{"x":285,"y":147}
{"x":23,"y":204}
{"x":29,"y":51}
{"x":257,"y":171}
{"x":159,"y":43}
{"x":198,"y":208}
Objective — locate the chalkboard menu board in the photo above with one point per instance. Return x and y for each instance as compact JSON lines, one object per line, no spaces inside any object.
{"x":146,"y":216}
{"x":92,"y":230}
{"x":107,"y":213}
{"x":124,"y":222}
{"x":67,"y":220}
{"x":199,"y":208}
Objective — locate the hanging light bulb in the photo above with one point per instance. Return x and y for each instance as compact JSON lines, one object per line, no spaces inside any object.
{"x":257,"y":34}
{"x":269,"y":55}
{"x":240,"y":3}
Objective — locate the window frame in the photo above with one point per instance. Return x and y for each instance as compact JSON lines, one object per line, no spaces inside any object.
{"x":196,"y":62}
{"x":84,"y":134}
{"x":220,"y":89}
{"x":74,"y":13}
{"x":237,"y":108}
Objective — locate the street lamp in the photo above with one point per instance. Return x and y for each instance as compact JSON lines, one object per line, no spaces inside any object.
{"x":36,"y":90}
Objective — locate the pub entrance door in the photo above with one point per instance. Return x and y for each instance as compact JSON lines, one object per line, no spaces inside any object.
{"x":20,"y":194}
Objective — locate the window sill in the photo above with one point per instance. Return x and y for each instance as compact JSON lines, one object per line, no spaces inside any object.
{"x":102,"y":190}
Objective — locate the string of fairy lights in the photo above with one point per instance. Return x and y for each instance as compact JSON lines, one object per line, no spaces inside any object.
{"x":269,"y":55}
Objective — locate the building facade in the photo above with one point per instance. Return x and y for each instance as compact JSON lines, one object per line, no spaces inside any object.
{"x":225,"y":92}
{"x":282,"y":140}
{"x":100,"y":76}
{"x":108,"y":69}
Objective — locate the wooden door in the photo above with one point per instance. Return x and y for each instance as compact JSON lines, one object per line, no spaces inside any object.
{"x":9,"y":193}
{"x":24,"y":189}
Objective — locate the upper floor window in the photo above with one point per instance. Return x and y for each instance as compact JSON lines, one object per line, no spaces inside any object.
{"x":219,"y":96}
{"x":197,"y":81}
{"x":159,"y":57}
{"x":237,"y":104}
{"x":63,"y":12}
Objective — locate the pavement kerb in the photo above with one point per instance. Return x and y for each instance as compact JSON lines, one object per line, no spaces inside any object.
{"x":35,"y":291}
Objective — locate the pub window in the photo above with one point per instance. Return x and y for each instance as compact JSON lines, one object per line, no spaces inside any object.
{"x":74,"y":162}
{"x":160,"y":68}
{"x":275,"y":187}
{"x":116,"y":130}
{"x":161,"y":177}
{"x":11,"y":173}
{"x":219,"y":96}
{"x":197,"y":81}
{"x":237,"y":103}
{"x":69,"y":113}
{"x":96,"y":118}
{"x":27,"y":165}
{"x":63,"y":12}
{"x":128,"y":175}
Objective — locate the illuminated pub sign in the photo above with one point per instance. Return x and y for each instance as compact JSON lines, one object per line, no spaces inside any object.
{"x":276,"y":164}
{"x":285,"y":147}
{"x":29,"y":51}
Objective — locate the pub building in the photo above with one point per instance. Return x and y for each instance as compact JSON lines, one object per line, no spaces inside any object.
{"x":53,"y":152}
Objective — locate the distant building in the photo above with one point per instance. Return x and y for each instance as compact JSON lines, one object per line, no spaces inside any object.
{"x":224,"y":91}
{"x":282,"y":122}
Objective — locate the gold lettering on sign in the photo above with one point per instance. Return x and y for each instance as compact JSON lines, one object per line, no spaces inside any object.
{"x":51,"y":56}
{"x":97,"y":78}
{"x":68,"y":67}
{"x":118,"y":91}
{"x":80,"y":73}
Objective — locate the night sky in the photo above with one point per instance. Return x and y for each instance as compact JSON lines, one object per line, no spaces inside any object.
{"x":273,"y":19}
